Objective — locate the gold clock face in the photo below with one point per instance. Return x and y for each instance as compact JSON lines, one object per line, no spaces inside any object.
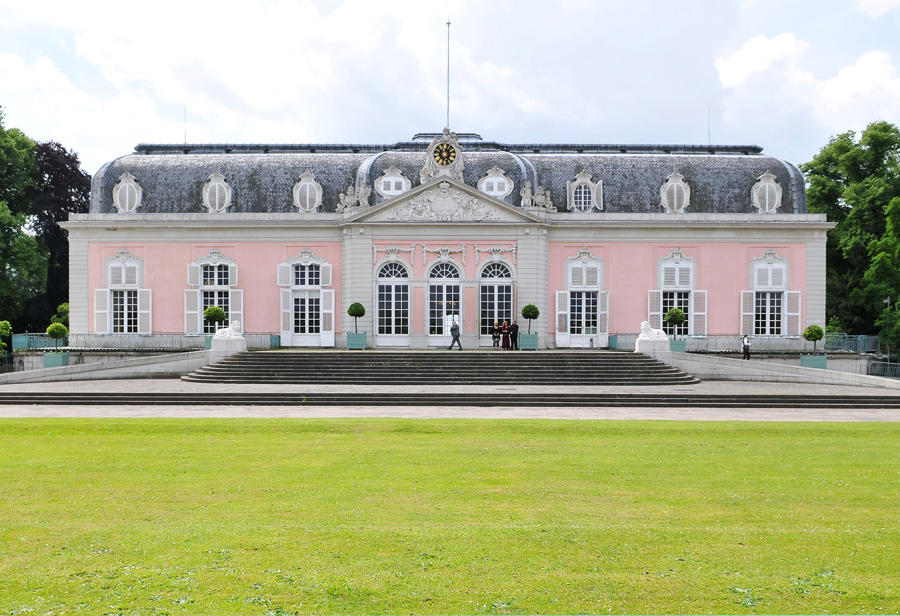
{"x":444,"y":154}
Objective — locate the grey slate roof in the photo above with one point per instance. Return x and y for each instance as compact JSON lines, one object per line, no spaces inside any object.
{"x":262,"y":176}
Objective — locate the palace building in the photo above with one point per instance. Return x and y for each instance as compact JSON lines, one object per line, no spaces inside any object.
{"x":284,"y":238}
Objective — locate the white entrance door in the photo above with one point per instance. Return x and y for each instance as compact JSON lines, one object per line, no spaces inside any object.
{"x":443,"y":309}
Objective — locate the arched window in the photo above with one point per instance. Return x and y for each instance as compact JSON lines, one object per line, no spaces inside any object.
{"x":443,"y":298}
{"x":766,"y":194}
{"x":495,"y":297}
{"x":584,"y":195}
{"x":393,"y":301}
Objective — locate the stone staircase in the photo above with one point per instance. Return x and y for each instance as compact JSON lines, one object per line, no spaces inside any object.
{"x":492,"y":368}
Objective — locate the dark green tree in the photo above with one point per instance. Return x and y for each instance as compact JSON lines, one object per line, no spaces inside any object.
{"x":857,"y":184}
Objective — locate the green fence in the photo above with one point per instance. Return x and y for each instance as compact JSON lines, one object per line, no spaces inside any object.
{"x":135,"y":342}
{"x":834,"y":343}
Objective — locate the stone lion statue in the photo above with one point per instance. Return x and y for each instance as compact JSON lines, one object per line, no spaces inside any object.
{"x":649,"y":333}
{"x":232,"y":331}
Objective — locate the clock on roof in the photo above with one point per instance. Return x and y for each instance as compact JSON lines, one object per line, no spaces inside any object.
{"x":444,"y":154}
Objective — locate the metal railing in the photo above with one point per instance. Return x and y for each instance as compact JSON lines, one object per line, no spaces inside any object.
{"x":136,"y":342}
{"x":885,"y":369}
{"x":833,"y":343}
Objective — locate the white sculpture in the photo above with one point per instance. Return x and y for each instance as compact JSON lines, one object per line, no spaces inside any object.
{"x":362,"y":195}
{"x":232,"y":331}
{"x":347,"y":199}
{"x":650,"y":333}
{"x":527,"y":196}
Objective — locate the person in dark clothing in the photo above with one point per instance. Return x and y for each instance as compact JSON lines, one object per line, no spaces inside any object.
{"x":454,"y":331}
{"x":514,"y":336}
{"x":745,"y":346}
{"x":504,"y":333}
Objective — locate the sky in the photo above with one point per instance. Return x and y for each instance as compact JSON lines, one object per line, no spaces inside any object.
{"x":101,"y":77}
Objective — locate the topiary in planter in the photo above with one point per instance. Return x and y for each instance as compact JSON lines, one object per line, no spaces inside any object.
{"x":57,"y":331}
{"x":530,"y":312}
{"x":214,"y":314}
{"x":813,"y":334}
{"x":675,"y":317}
{"x":356,"y":310}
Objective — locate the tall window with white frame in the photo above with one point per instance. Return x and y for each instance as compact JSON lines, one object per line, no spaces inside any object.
{"x":677,"y":277}
{"x":307,"y":281}
{"x":212,"y":280}
{"x":393,"y":300}
{"x":215,"y":291}
{"x":123,"y":307}
{"x":443,"y":298}
{"x":496,"y":297}
{"x":770,"y":308}
{"x":582,"y":309}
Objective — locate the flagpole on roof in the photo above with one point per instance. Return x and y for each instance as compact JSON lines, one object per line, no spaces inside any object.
{"x":448,"y":72}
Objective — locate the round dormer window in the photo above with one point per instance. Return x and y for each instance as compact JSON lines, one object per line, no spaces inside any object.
{"x":126,"y":194}
{"x":216,"y":193}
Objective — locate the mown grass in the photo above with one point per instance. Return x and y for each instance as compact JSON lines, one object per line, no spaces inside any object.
{"x":438,"y":517}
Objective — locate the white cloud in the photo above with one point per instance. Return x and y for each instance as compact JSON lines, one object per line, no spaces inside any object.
{"x":761,"y":54}
{"x":877,"y":8}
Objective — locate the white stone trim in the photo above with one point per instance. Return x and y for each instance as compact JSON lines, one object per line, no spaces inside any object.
{"x":444,"y":253}
{"x":583,"y":179}
{"x":392,"y":252}
{"x":495,"y":252}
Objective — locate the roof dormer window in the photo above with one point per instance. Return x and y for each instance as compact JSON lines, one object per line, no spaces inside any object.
{"x":766,"y":194}
{"x":675,"y":194}
{"x":392,"y":183}
{"x":127,"y":194}
{"x":495,"y":183}
{"x":216,"y":193}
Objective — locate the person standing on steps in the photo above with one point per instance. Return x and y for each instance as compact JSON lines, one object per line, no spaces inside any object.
{"x":495,"y":334}
{"x":514,"y":336}
{"x":454,"y":332}
{"x":745,"y":346}
{"x":504,"y":332}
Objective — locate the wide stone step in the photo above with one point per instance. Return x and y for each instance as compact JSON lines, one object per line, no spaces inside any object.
{"x":443,"y":399}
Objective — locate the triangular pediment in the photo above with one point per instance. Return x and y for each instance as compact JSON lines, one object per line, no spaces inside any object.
{"x":443,"y":200}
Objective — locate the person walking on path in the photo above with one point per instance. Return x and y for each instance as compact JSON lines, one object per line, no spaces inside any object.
{"x":504,"y":331}
{"x":514,"y":336}
{"x":495,"y":334}
{"x":745,"y":346}
{"x":454,"y":332}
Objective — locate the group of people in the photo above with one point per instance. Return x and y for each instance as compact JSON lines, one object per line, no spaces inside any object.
{"x":508,"y":333}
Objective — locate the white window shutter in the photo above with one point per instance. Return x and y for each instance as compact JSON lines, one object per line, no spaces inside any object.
{"x":747,"y":312}
{"x":654,"y":308}
{"x":576,"y":276}
{"x":792,"y":314}
{"x":145,"y":322}
{"x":116,"y":275}
{"x":762,"y":276}
{"x":191,"y":311}
{"x":778,"y":277}
{"x":287,"y":328}
{"x":685,"y":275}
{"x":603,"y":313}
{"x":236,"y":307}
{"x":562,"y":318}
{"x":101,"y":311}
{"x":131,"y":276}
{"x":232,"y":275}
{"x":325,"y":275}
{"x":592,"y":276}
{"x":193,"y":275}
{"x":327,"y":332}
{"x":698,"y":313}
{"x":669,"y":277}
{"x":284,"y":275}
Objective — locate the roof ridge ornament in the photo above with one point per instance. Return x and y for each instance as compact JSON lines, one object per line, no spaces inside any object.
{"x":443,"y":158}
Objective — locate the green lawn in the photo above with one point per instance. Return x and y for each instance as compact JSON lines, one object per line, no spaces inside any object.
{"x":364,"y":516}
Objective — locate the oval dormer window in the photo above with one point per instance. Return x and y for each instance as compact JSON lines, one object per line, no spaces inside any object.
{"x":766,"y":194}
{"x":127,"y":194}
{"x":307,"y":193}
{"x":675,"y":194}
{"x":216,"y":193}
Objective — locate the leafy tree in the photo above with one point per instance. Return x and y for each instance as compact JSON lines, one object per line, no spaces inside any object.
{"x":22,"y":259}
{"x":62,"y":315}
{"x":61,"y":188}
{"x":5,"y":332}
{"x":675,"y":317}
{"x":857,"y":184}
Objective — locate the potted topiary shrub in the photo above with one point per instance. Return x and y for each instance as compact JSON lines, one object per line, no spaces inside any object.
{"x":813,"y":334}
{"x":529,"y":341}
{"x":356,"y":340}
{"x":214,"y":315}
{"x":56,"y":331}
{"x":674,"y":318}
